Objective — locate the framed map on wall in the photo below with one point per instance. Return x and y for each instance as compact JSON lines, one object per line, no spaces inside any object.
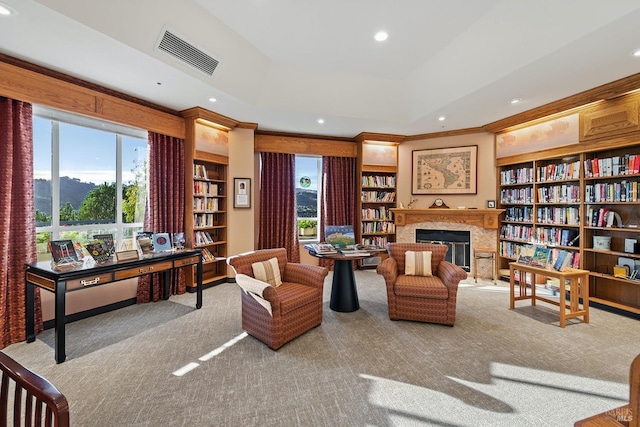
{"x":445,"y":170}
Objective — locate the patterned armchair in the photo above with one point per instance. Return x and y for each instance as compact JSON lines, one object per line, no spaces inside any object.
{"x":276,"y":315}
{"x":421,"y":297}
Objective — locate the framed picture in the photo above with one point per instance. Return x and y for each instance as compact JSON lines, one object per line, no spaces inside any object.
{"x":445,"y":170}
{"x":241,"y":192}
{"x":491,"y":204}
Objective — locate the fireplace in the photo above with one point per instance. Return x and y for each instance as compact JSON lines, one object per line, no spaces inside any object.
{"x":459,"y":243}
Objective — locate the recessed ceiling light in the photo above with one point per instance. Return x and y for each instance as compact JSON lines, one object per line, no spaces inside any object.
{"x":321,"y":121}
{"x":636,"y":53}
{"x":515,"y":101}
{"x":6,"y":10}
{"x":442,"y":118}
{"x":381,"y":36}
{"x":212,"y":99}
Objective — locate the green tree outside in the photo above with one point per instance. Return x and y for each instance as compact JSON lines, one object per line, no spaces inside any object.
{"x":100,"y":203}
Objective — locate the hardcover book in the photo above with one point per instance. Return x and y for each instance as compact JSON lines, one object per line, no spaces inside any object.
{"x":161,"y":242}
{"x":62,"y":251}
{"x":562,"y":260}
{"x":98,"y":251}
{"x":108,"y":243}
{"x":525,"y":257}
{"x":340,"y":236}
{"x":541,"y":256}
{"x":145,"y":242}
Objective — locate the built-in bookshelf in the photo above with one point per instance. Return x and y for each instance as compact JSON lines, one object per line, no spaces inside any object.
{"x":611,"y":232}
{"x":208,"y":231}
{"x":587,"y":204}
{"x":377,"y":172}
{"x":207,"y":190}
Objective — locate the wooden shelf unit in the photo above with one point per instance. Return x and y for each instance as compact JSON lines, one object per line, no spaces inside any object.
{"x":523,"y":192}
{"x":207,"y":192}
{"x":378,"y":192}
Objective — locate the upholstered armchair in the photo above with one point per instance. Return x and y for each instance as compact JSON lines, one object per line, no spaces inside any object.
{"x":418,"y":288}
{"x":279,"y":302}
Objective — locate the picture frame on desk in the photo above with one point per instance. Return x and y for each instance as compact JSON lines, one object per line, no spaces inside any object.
{"x":460,"y":162}
{"x":242,"y":193}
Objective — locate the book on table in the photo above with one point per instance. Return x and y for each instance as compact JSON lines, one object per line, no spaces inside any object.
{"x":525,"y":256}
{"x":541,"y":255}
{"x":353,"y":252}
{"x":561,"y":261}
{"x":321,"y":248}
{"x":108,"y":242}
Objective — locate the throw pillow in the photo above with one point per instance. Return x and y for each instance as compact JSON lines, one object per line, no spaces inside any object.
{"x":268,"y":271}
{"x":417,"y":263}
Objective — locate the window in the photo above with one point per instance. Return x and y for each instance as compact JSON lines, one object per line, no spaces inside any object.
{"x":308,"y":173}
{"x":90,"y":177}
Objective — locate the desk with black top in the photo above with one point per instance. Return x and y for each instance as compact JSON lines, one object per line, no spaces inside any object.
{"x":42,"y":275}
{"x":344,"y":295}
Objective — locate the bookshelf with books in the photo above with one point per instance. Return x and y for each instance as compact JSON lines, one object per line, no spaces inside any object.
{"x":206,"y":195}
{"x":542,"y":206}
{"x":611,"y":232}
{"x":377,"y":171}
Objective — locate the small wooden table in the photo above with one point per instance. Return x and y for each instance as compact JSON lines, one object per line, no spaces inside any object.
{"x":578,"y":283}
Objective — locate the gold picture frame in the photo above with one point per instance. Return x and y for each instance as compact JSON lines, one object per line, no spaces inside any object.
{"x":451,"y":170}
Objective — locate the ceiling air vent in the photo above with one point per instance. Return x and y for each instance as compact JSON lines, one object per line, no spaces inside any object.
{"x":186,"y":52}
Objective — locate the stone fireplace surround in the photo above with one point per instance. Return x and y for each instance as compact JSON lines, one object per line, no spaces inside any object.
{"x":481,"y":223}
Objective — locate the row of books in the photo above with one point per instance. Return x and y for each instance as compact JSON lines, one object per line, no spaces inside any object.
{"x":379,"y":181}
{"x":378,"y":227}
{"x":379,"y":242}
{"x":202,"y":188}
{"x":321,"y":248}
{"x":202,"y":238}
{"x":565,"y":193}
{"x":200,"y":171}
{"x":558,"y":171}
{"x":379,"y":196}
{"x":207,"y":255}
{"x":600,"y":217}
{"x":516,"y":232}
{"x":205,"y":204}
{"x":516,"y":176}
{"x":544,"y":257}
{"x":381,"y":213}
{"x":623,"y":191}
{"x":556,"y":236}
{"x":102,"y":247}
{"x":519,"y":213}
{"x":629,"y":164}
{"x":516,"y":195}
{"x":205,"y":219}
{"x":567,"y":215}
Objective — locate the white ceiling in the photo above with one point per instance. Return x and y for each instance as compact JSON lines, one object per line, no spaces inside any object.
{"x":286,"y":63}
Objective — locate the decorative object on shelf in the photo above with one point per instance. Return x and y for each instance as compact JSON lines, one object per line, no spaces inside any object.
{"x":445,"y":170}
{"x":602,"y":243}
{"x":241,"y":192}
{"x":631,"y":246}
{"x":438,"y":204}
{"x":491,"y":204}
{"x":412,"y":200}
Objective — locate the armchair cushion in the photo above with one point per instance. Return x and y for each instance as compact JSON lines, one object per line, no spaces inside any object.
{"x":418,"y":263}
{"x":421,"y":287}
{"x":267,"y":271}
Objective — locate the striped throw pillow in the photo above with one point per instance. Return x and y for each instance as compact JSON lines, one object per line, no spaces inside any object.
{"x":417,"y":263}
{"x":267,"y":271}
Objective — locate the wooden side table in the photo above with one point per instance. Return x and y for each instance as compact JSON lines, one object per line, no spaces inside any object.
{"x":577,"y":282}
{"x":485,"y":253}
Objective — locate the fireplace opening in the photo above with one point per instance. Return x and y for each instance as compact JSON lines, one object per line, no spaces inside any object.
{"x":459,"y":243}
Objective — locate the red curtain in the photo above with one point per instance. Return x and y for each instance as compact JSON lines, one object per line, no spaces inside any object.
{"x":165,"y":207}
{"x":17,"y":218}
{"x":278,"y":221}
{"x":339,"y":195}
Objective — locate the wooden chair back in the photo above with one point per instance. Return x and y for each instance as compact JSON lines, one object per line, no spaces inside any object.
{"x":28,"y":399}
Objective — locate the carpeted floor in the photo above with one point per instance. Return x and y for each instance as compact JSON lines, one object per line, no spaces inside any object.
{"x":496,"y":367}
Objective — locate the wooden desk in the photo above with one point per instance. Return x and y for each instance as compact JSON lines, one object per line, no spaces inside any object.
{"x":578,"y":288}
{"x":62,"y":282}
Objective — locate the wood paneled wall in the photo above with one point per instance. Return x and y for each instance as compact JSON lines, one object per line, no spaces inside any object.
{"x":316,"y":145}
{"x":37,"y":88}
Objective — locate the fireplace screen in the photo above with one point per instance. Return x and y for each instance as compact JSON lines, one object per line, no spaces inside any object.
{"x":459,"y":243}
